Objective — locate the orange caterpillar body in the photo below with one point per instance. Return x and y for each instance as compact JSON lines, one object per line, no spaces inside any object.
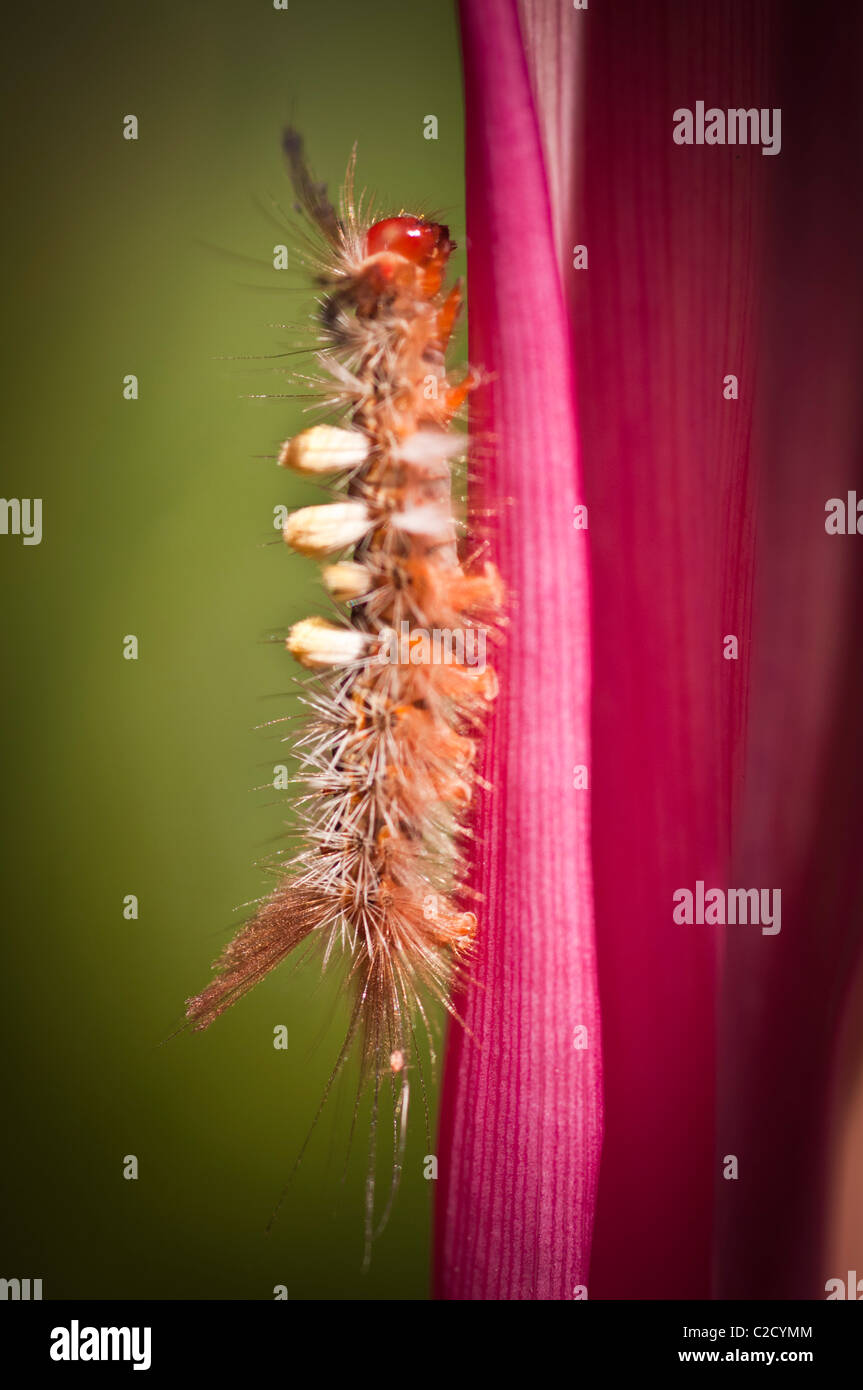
{"x":388,"y":758}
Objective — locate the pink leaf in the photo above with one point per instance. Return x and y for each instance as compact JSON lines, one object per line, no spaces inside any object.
{"x":707,"y":515}
{"x":522,"y":1113}
{"x":667,"y":309}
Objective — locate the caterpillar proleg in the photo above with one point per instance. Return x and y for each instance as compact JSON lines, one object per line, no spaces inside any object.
{"x":388,"y":755}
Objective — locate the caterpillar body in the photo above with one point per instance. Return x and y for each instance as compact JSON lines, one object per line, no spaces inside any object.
{"x":388,"y":756}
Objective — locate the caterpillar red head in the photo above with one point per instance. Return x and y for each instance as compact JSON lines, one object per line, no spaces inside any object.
{"x":410,"y":250}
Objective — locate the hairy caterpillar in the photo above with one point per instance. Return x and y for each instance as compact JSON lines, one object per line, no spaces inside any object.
{"x":387,"y":757}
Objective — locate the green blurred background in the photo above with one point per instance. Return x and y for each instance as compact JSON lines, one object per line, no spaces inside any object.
{"x":154,"y":257}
